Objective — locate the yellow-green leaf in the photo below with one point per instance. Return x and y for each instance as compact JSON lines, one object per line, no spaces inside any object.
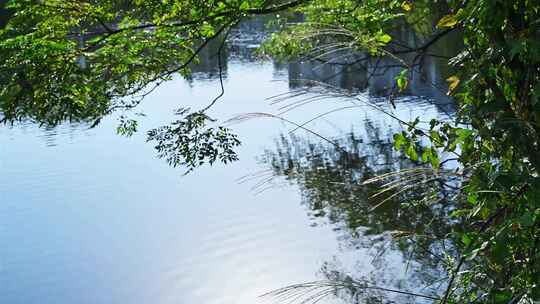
{"x":384,"y":38}
{"x":402,"y":81}
{"x":406,"y":6}
{"x":453,"y":82}
{"x":447,"y":21}
{"x":244,"y":6}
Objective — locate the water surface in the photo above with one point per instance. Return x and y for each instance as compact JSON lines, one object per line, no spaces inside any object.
{"x":87,"y":216}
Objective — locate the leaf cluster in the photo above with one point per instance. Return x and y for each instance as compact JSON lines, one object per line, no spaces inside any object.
{"x":189,"y":142}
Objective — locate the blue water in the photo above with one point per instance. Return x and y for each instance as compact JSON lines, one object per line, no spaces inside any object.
{"x":87,"y":216}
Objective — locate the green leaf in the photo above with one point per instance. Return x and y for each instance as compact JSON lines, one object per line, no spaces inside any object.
{"x":411,"y":151}
{"x":453,"y":82}
{"x":399,"y":140}
{"x":402,"y":84}
{"x":244,"y":6}
{"x":384,"y":38}
{"x":447,"y":21}
{"x":465,"y":239}
{"x":207,"y":30}
{"x":406,"y":6}
{"x":401,"y":80}
{"x":472,"y":198}
{"x":425,"y":154}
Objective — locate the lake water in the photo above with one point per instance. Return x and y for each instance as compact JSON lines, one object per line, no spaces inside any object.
{"x":87,"y":216}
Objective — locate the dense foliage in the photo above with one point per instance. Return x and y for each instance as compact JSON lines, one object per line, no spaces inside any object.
{"x":494,"y":138}
{"x":80,"y":60}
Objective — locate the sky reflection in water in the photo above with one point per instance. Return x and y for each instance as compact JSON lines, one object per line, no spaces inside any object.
{"x":87,"y":216}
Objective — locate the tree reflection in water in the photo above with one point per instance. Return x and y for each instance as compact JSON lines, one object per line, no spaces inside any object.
{"x":406,"y":226}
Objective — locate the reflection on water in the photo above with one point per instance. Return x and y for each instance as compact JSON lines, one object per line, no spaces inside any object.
{"x":391,"y":226}
{"x":343,"y":69}
{"x":88,"y":217}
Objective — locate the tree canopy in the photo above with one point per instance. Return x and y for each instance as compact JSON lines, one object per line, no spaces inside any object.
{"x":81,"y":60}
